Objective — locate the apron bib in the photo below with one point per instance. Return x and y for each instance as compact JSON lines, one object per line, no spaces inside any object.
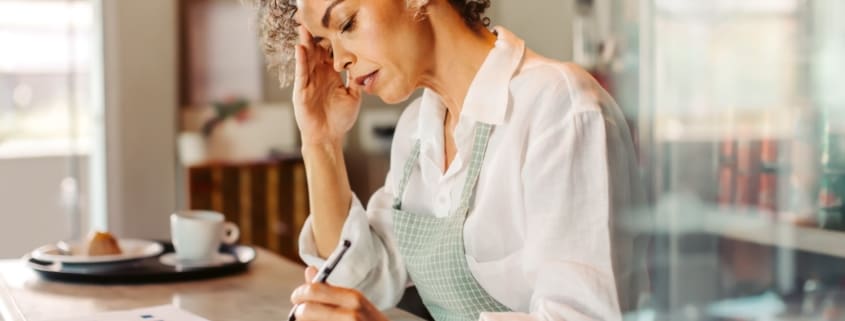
{"x":433,"y":248}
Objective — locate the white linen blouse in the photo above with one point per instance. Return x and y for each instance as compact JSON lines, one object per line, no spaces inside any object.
{"x":560,"y":162}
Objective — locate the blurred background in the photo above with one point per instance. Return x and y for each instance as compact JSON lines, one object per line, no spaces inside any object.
{"x":115,"y":113}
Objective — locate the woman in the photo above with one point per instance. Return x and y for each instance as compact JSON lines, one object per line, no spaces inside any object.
{"x":503,"y":175}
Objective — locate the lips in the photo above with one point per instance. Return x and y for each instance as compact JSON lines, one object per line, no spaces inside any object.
{"x":367,"y":81}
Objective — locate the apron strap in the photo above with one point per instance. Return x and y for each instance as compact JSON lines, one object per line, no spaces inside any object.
{"x":479,"y":148}
{"x":406,"y":175}
{"x":482,"y":136}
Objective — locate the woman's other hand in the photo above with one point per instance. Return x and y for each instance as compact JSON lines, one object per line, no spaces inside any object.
{"x":320,"y":301}
{"x":325,"y":109}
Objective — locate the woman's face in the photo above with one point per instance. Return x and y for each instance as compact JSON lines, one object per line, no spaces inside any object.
{"x":380,"y":43}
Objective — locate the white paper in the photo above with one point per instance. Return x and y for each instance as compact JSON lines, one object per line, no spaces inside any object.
{"x":159,"y":313}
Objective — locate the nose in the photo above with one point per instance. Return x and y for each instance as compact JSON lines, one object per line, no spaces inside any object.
{"x":342,"y":58}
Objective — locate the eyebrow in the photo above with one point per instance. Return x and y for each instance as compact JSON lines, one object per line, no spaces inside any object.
{"x":328,"y":13}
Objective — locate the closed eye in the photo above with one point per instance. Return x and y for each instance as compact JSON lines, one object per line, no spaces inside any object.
{"x":348,"y":25}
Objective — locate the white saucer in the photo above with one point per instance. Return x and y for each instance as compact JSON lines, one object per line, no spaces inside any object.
{"x":218,"y":259}
{"x":132,"y":249}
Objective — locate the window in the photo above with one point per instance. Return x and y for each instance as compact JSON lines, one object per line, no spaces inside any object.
{"x":45,"y":91}
{"x":47,"y":124}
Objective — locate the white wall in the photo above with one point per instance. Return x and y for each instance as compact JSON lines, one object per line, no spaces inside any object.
{"x":140,"y":49}
{"x":31,"y":211}
{"x":545,"y":25}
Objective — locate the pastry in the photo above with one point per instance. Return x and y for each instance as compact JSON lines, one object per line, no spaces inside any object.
{"x":103,"y":243}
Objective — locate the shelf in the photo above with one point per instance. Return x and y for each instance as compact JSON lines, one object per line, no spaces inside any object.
{"x":750,"y":226}
{"x":779,"y":124}
{"x":762,"y":231}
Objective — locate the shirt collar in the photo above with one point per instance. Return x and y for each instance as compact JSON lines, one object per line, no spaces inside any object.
{"x":488,"y":97}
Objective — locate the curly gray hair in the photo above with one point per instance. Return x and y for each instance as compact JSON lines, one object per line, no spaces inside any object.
{"x":277,"y":29}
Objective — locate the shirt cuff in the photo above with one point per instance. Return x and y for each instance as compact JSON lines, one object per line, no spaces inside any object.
{"x":357,"y":261}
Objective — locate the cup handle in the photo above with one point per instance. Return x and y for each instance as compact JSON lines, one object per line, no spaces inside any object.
{"x":231,"y":233}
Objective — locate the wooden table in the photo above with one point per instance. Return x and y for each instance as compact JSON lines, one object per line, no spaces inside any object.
{"x":261,"y":293}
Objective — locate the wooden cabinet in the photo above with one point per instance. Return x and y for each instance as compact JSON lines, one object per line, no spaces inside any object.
{"x":268,"y":200}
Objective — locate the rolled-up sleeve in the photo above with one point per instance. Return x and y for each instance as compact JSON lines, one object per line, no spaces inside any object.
{"x":568,"y":201}
{"x":372,"y":264}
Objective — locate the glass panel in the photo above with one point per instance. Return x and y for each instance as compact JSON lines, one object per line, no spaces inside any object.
{"x":741,"y":135}
{"x":46,"y":120}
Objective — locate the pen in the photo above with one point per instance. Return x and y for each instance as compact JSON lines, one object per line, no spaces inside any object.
{"x":324,"y":273}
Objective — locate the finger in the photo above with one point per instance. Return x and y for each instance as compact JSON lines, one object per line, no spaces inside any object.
{"x":352,"y":87}
{"x":305,"y":37}
{"x":327,"y":294}
{"x":318,"y":53}
{"x":310,"y":273}
{"x":317,"y":311}
{"x":350,"y":82}
{"x":301,"y":70}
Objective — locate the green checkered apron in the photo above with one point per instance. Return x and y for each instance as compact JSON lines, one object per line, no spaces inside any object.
{"x":433,"y":247}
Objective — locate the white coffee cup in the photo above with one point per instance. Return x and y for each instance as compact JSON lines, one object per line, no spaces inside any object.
{"x":197,"y":235}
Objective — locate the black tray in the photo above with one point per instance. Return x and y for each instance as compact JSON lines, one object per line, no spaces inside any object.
{"x":147,"y":270}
